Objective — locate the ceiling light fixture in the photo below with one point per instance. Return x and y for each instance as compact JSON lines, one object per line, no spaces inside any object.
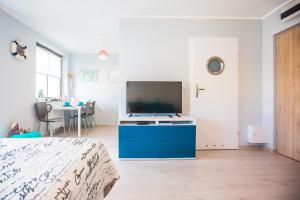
{"x":103,"y":55}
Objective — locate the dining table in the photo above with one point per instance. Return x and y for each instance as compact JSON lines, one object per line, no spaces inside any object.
{"x":71,"y":108}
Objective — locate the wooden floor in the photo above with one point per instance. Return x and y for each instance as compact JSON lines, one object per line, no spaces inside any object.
{"x":226,"y":174}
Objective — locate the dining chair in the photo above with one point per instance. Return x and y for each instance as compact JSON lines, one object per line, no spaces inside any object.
{"x":91,"y":114}
{"x":88,"y":113}
{"x":42,"y":110}
{"x":83,"y":116}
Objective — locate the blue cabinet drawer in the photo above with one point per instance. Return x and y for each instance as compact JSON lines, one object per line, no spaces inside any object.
{"x":156,"y":133}
{"x":174,"y":141}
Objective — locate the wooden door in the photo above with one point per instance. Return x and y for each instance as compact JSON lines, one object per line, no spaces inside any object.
{"x":288,"y":92}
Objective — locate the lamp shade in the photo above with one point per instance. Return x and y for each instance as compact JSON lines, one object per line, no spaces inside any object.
{"x":103,"y":55}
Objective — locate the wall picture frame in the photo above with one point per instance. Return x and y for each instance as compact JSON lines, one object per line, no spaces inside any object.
{"x":114,"y":75}
{"x":89,"y":75}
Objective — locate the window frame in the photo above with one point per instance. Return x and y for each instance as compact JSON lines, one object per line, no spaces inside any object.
{"x":38,"y":45}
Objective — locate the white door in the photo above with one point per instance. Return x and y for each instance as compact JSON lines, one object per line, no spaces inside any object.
{"x":214,"y":91}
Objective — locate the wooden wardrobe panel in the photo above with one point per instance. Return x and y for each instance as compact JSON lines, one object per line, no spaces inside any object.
{"x":288,"y":92}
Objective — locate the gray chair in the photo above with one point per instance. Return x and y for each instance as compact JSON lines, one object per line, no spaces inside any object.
{"x":42,"y":109}
{"x":91,"y":113}
{"x":84,"y":116}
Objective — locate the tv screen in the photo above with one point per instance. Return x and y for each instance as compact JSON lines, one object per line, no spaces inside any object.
{"x":154,"y":97}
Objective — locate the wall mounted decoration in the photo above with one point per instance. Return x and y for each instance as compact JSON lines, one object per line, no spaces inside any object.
{"x":19,"y":50}
{"x":70,"y":75}
{"x":114,"y":76}
{"x":89,"y":75}
{"x":215,"y":65}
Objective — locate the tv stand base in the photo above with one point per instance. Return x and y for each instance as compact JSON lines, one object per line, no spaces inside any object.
{"x":157,"y":137}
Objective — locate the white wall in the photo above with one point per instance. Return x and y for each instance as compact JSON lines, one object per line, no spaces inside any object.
{"x":105,"y":93}
{"x":157,"y":49}
{"x":271,"y":26}
{"x":17,"y":78}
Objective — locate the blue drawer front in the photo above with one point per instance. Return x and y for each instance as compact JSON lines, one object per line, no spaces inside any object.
{"x":157,"y":141}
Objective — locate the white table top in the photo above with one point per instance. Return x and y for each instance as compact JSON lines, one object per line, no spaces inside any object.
{"x":61,"y":107}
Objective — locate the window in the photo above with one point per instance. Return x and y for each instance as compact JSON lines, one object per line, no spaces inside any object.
{"x":48,"y":73}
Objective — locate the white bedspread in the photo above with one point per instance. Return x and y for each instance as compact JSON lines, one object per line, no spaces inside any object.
{"x":55,"y":168}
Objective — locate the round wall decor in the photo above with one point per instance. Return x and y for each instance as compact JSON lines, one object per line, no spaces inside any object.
{"x":215,"y":65}
{"x":19,"y":50}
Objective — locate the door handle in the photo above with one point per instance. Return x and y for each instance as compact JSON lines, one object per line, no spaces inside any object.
{"x":198,"y":89}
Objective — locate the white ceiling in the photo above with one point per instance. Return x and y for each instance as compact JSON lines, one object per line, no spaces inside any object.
{"x":79,"y":25}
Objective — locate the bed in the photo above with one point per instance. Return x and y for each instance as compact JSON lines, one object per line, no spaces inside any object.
{"x":55,"y":168}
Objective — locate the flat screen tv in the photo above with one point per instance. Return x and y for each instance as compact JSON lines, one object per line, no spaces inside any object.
{"x":154,"y":97}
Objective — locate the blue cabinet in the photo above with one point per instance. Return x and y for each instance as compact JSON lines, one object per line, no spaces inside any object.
{"x":157,"y":141}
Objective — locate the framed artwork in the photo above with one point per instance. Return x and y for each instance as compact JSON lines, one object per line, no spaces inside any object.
{"x":89,"y":75}
{"x":114,"y":76}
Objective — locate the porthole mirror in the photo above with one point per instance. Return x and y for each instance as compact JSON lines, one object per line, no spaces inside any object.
{"x":215,"y":65}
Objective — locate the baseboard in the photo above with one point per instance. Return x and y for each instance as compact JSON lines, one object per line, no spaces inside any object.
{"x":251,"y":147}
{"x":268,"y":149}
{"x":258,"y":147}
{"x":106,"y":125}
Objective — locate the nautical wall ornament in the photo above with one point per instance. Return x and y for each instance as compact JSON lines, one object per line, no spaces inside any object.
{"x":215,"y":65}
{"x":19,"y":50}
